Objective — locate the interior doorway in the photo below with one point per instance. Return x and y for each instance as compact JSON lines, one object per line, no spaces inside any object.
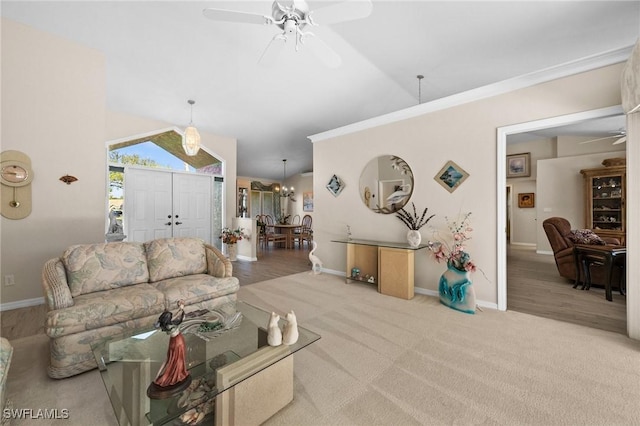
{"x":536,"y":263}
{"x":501,"y":152}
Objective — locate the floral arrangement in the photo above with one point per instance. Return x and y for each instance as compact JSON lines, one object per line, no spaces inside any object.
{"x":231,"y":236}
{"x":412,"y":220}
{"x":454,"y":253}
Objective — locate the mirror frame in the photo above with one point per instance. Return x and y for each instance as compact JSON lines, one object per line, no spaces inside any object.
{"x":401,"y":169}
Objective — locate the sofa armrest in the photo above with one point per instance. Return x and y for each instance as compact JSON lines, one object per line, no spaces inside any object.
{"x":218,"y":265}
{"x":611,"y":241}
{"x":54,"y":283}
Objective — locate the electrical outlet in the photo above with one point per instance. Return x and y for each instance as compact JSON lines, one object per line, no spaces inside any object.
{"x":9,"y":280}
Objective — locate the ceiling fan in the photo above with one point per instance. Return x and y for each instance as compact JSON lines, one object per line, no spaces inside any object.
{"x":621,"y":136}
{"x":292,"y":17}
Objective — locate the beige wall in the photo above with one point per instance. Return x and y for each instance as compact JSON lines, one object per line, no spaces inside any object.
{"x":557,"y":184}
{"x":465,"y":134}
{"x":53,"y":110}
{"x":301,"y":184}
{"x":561,"y":189}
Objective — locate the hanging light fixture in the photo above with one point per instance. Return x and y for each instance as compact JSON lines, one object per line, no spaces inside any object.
{"x":284,"y":191}
{"x":191,"y":138}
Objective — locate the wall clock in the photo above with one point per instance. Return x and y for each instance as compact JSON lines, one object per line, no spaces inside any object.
{"x":15,"y":173}
{"x":15,"y":184}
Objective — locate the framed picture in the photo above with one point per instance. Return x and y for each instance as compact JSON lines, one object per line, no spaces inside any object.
{"x":526,"y":200}
{"x":307,"y":201}
{"x":451,"y":176}
{"x":335,"y":185}
{"x":519,"y":165}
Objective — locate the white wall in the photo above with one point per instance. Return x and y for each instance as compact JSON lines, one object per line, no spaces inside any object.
{"x":524,"y":220}
{"x":465,"y":134}
{"x":561,"y":189}
{"x":301,"y":183}
{"x":53,"y":110}
{"x":568,"y":198}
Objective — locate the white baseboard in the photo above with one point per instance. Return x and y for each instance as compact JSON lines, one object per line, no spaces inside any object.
{"x":550,"y":253}
{"x":249,"y":258}
{"x":334,"y":272}
{"x":21,"y":304}
{"x":523,"y":244}
{"x":434,"y":293}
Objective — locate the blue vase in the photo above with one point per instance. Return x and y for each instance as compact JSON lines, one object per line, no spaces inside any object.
{"x":456,"y":290}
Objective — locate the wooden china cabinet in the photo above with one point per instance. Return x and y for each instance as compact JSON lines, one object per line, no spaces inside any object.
{"x":605,"y":193}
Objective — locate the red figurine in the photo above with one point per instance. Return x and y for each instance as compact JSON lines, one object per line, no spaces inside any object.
{"x":173,"y":375}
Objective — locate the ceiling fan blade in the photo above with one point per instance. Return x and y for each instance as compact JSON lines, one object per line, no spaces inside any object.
{"x":236,"y":16}
{"x":340,"y":12}
{"x":621,"y":140}
{"x":273,"y":50}
{"x":595,"y":140}
{"x":321,"y":50}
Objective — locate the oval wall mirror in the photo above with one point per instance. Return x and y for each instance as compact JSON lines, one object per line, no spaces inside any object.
{"x":386,"y":184}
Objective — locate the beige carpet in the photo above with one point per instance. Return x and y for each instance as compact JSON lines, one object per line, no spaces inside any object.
{"x":387,"y":361}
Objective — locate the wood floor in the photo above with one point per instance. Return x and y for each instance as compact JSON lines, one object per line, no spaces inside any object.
{"x":272,"y":263}
{"x":535,"y":287}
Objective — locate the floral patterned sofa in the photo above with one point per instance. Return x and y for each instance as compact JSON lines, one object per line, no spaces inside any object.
{"x":6,"y":353}
{"x":99,"y":290}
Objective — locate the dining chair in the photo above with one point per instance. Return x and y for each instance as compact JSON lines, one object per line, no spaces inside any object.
{"x":262,"y":231}
{"x":270,"y":234}
{"x":295,"y":220}
{"x":306,"y":232}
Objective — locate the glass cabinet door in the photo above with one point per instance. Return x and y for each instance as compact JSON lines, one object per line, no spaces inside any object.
{"x":605,"y":194}
{"x":607,"y":203}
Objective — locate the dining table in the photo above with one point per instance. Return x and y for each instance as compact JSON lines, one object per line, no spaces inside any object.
{"x":288,"y":229}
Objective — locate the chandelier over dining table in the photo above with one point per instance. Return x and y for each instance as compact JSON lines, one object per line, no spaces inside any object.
{"x":284,"y":191}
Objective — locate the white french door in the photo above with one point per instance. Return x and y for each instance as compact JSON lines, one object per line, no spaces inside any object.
{"x":162,"y":204}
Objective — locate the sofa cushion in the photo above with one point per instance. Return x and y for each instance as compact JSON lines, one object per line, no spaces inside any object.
{"x":175,"y":257}
{"x":195,"y":289}
{"x":104,"y":266}
{"x":104,"y":308}
{"x":6,"y":353}
{"x":585,"y":236}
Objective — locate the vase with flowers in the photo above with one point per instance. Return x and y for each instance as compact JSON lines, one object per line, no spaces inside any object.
{"x":230,"y":237}
{"x":455,"y":286}
{"x":414,"y":222}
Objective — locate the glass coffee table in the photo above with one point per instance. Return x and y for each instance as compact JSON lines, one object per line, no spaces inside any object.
{"x":237,"y":378}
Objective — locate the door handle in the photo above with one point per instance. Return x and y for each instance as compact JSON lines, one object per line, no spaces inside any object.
{"x":178,"y":223}
{"x":168,"y":223}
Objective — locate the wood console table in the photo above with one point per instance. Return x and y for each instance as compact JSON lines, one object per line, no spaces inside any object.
{"x":390,"y":264}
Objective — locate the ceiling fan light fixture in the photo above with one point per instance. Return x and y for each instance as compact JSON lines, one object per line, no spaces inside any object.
{"x":191,"y":137}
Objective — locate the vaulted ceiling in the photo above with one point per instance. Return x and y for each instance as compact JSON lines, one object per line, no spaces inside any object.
{"x":159,"y":54}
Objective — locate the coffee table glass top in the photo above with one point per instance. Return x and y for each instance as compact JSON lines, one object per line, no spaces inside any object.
{"x":129,"y":362}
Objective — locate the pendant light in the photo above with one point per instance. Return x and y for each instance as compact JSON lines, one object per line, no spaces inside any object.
{"x":191,"y":138}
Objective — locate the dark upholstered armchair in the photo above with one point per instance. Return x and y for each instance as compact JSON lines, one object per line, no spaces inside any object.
{"x":558,"y":230}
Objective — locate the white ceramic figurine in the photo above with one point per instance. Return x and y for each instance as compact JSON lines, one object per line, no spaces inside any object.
{"x":274,"y":335}
{"x":316,"y":263}
{"x":290,"y":333}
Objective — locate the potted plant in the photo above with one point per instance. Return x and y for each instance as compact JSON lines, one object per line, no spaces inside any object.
{"x":414,"y":222}
{"x":230,"y":237}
